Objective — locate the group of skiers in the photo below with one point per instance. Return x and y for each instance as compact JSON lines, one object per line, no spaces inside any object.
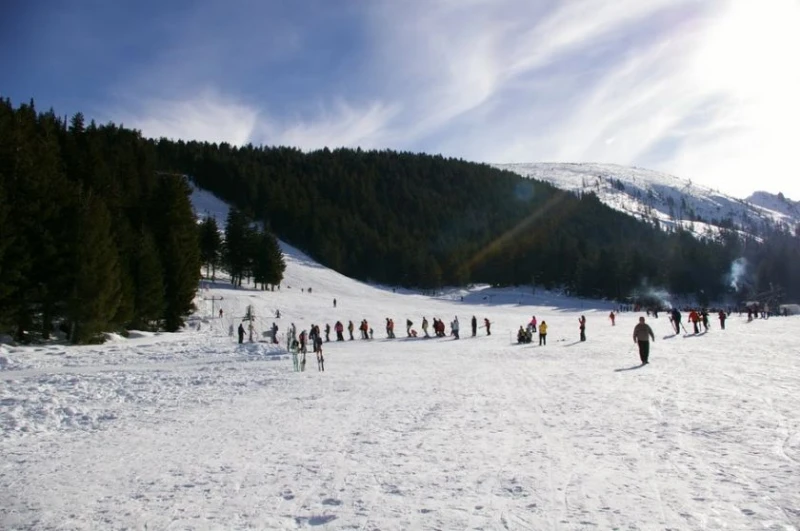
{"x":525,"y":335}
{"x":298,"y":346}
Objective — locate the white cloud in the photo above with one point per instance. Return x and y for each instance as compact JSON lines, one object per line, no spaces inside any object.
{"x":206,"y":116}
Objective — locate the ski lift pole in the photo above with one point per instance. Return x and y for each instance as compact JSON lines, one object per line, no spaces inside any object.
{"x":213,"y":299}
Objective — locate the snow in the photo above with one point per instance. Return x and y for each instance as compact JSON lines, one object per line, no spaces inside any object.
{"x":651,"y":195}
{"x":192,"y":431}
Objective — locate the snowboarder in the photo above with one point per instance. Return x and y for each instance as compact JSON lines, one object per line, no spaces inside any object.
{"x":642,"y":334}
{"x":582,"y":323}
{"x":241,"y":333}
{"x":474,"y":326}
{"x":543,"y":333}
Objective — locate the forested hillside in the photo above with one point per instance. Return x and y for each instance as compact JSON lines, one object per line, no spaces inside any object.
{"x":97,"y":231}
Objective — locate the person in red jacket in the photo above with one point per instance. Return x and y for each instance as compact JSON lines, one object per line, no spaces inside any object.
{"x":612,"y":317}
{"x":694,"y":317}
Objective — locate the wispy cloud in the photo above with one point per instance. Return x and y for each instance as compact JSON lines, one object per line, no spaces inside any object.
{"x":702,"y":90}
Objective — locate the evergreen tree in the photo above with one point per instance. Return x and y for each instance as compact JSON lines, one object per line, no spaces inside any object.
{"x":97,"y":289}
{"x":210,"y":245}
{"x":150,"y":304}
{"x":236,"y":253}
{"x":176,"y":235}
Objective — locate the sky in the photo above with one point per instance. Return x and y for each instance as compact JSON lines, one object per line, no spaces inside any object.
{"x":703,"y":89}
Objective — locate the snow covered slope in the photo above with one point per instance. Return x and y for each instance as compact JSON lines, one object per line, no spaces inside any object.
{"x":193,"y":431}
{"x":663,"y":198}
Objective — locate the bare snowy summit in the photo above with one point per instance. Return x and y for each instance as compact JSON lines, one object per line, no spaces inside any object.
{"x":664,"y":199}
{"x":776,"y":203}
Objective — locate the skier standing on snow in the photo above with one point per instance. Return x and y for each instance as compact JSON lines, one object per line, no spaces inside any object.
{"x":241,"y":333}
{"x":474,"y":326}
{"x":543,"y":333}
{"x":409,"y":324}
{"x":425,"y":326}
{"x":676,"y":320}
{"x":350,"y":328}
{"x":454,"y":327}
{"x":642,"y":334}
{"x":722,"y":318}
{"x":488,"y":326}
{"x":612,"y":317}
{"x":582,"y":322}
{"x":339,"y":327}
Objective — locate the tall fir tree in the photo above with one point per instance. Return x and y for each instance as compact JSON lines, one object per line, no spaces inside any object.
{"x":210,"y":246}
{"x":175,"y":230}
{"x":97,"y":289}
{"x":148,"y":275}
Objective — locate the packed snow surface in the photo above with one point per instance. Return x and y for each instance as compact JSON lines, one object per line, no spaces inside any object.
{"x":194,"y":431}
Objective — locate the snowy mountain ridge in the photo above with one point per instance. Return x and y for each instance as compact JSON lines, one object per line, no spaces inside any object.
{"x":664,"y":199}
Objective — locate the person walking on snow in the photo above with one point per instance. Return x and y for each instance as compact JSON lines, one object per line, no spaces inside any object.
{"x":642,"y":334}
{"x":474,"y":326}
{"x":582,"y":323}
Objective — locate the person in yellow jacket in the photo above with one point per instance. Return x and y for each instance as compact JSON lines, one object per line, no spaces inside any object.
{"x":543,"y":333}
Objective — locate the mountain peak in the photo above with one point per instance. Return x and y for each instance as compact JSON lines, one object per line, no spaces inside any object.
{"x":665,"y":200}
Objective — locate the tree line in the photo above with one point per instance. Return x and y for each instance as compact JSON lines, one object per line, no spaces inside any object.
{"x":94,"y":236}
{"x":97,"y":231}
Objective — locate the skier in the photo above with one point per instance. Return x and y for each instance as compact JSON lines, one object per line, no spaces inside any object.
{"x":293,"y":348}
{"x":676,"y":320}
{"x":488,"y":326}
{"x":474,"y":326}
{"x":350,"y":328}
{"x":327,"y":332}
{"x":532,"y":324}
{"x":582,"y":322}
{"x":543,"y":333}
{"x":339,"y":331}
{"x":695,"y":319}
{"x":241,"y":333}
{"x":274,"y":333}
{"x":722,"y":318}
{"x":425,"y":326}
{"x":409,"y":324}
{"x":612,"y":317}
{"x":454,"y":327}
{"x":334,"y":303}
{"x":220,"y":313}
{"x":642,"y":334}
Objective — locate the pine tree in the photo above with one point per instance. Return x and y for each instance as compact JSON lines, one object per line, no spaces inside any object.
{"x":97,"y":290}
{"x":176,"y":235}
{"x":148,"y":275}
{"x":210,"y":245}
{"x":237,"y":232}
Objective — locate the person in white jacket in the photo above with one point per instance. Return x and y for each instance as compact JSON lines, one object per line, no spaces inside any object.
{"x":454,"y":327}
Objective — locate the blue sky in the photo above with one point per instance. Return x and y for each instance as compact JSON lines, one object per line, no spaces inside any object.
{"x":703,"y":89}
